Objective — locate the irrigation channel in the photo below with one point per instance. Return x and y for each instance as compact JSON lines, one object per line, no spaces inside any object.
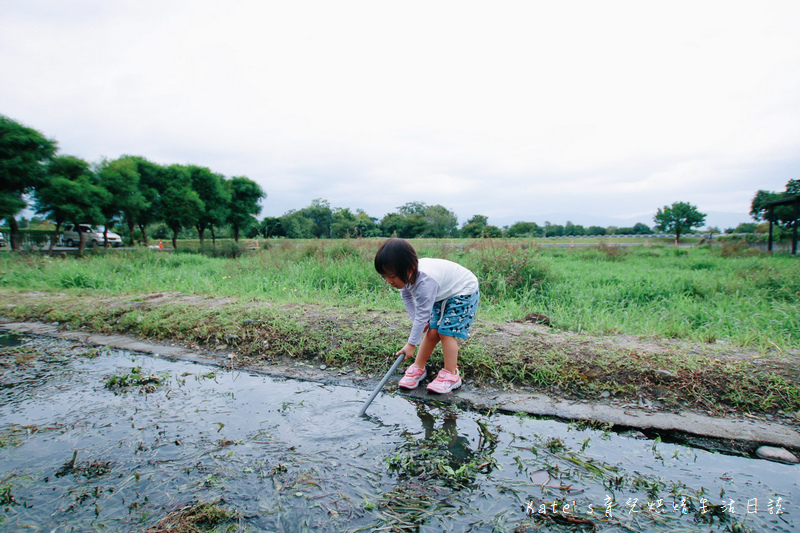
{"x":109,"y":440}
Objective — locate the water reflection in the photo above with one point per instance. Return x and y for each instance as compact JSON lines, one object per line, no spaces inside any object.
{"x":291,"y":455}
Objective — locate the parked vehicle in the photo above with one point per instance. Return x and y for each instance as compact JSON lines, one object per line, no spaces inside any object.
{"x":94,"y":236}
{"x":2,"y":240}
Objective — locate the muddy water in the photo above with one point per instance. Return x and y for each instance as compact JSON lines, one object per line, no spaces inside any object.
{"x":293,"y":456}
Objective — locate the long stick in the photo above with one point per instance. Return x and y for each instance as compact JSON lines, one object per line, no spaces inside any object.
{"x":382,"y":383}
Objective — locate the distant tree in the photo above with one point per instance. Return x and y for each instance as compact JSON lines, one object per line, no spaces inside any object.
{"x":406,"y":226}
{"x":411,"y":220}
{"x":296,"y":225}
{"x":596,"y":230}
{"x":181,"y":206}
{"x":524,"y":229}
{"x":71,"y":194}
{"x":24,"y":154}
{"x":473,"y":228}
{"x":416,"y":219}
{"x":152,"y":182}
{"x":216,"y":198}
{"x":553,"y":230}
{"x":321,"y":216}
{"x":366,"y":226}
{"x":678,"y":218}
{"x":573,"y":229}
{"x":412,"y":208}
{"x":343,"y":223}
{"x":491,"y":232}
{"x":641,"y":228}
{"x":744,"y":227}
{"x":244,"y":205}
{"x":271,"y":227}
{"x":440,"y":222}
{"x":121,"y":179}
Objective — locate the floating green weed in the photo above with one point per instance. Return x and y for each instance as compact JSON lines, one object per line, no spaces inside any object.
{"x":6,"y":497}
{"x":134,"y":378}
{"x":443,"y":456}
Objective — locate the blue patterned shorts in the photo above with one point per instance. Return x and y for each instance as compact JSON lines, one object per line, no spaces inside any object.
{"x":453,"y":317}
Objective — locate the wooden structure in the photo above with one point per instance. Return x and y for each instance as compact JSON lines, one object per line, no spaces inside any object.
{"x":786,"y":201}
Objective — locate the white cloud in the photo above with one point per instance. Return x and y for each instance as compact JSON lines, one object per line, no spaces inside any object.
{"x":519,"y":110}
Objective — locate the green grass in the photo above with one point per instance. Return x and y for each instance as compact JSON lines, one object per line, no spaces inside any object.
{"x":697,"y":294}
{"x":323,"y":301}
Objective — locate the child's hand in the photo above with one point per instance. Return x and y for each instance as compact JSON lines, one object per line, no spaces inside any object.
{"x":409,"y":350}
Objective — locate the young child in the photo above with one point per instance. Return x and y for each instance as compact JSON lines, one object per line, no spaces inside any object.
{"x":441,"y":298}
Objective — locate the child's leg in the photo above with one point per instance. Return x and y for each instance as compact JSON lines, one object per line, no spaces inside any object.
{"x":450,"y":349}
{"x":426,"y":347}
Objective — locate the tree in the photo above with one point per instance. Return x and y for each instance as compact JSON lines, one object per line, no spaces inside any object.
{"x":296,"y":225}
{"x":121,"y":179}
{"x":181,"y":206}
{"x":596,"y":230}
{"x":572,"y":229}
{"x":416,"y":219}
{"x":743,"y":227}
{"x":524,"y":229}
{"x":552,"y":230}
{"x":491,"y":232}
{"x":440,"y":221}
{"x":321,"y":216}
{"x":244,"y":205}
{"x":366,"y":225}
{"x":782,"y":215}
{"x":678,"y":218}
{"x":343,"y":223}
{"x":24,"y":153}
{"x":473,"y":228}
{"x":271,"y":227}
{"x":406,"y":226}
{"x":216,"y":199}
{"x":69,"y":195}
{"x":151,"y":184}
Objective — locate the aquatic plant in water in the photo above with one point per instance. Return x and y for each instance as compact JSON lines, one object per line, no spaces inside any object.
{"x":444,"y":455}
{"x":197,"y":518}
{"x":134,"y":378}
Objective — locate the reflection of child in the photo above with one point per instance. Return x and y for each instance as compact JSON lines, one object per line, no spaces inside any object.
{"x":441,"y":298}
{"x":457,"y":445}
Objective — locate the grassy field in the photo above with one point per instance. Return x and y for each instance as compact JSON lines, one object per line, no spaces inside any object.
{"x":323,"y":299}
{"x":696,"y":294}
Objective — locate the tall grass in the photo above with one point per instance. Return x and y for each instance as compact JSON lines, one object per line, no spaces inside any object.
{"x":697,"y":294}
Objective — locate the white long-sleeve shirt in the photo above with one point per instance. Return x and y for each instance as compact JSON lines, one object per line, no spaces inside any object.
{"x":437,"y":280}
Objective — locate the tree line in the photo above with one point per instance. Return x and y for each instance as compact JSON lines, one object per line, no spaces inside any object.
{"x":129,"y":190}
{"x":136,"y":193}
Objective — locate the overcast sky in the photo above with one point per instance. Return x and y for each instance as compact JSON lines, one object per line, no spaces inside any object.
{"x":595,"y":112}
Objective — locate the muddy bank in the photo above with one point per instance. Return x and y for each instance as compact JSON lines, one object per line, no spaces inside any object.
{"x":733,"y":434}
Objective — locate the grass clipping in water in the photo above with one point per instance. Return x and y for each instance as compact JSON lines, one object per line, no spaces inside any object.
{"x":199,"y":518}
{"x":431,"y":468}
{"x":134,"y":378}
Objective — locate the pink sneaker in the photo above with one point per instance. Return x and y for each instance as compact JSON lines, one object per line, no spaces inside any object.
{"x":414,"y":375}
{"x":445,"y":382}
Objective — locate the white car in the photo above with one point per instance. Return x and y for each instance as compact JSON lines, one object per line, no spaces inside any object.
{"x":94,"y":236}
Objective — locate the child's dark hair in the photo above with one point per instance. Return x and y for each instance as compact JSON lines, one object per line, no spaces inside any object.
{"x":396,"y":257}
